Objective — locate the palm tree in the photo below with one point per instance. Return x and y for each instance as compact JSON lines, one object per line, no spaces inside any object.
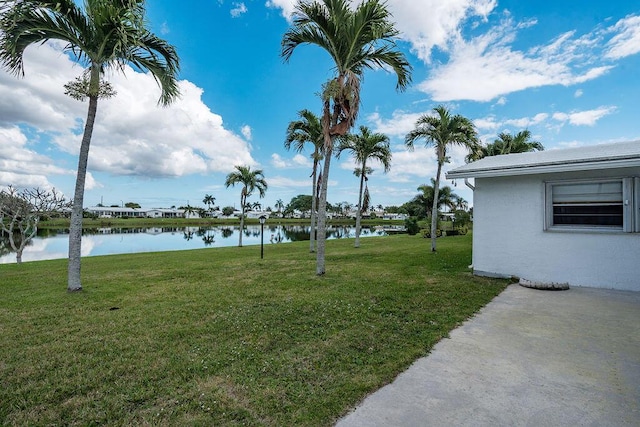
{"x":188,"y":211}
{"x":363,"y":147}
{"x":442,"y":130}
{"x":356,"y":39}
{"x":251,"y":181}
{"x":102,"y":35}
{"x":299,"y":132}
{"x":507,"y":144}
{"x":446,"y":197}
{"x":209,"y":200}
{"x":279,"y":206}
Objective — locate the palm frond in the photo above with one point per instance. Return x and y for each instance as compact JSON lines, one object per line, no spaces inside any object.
{"x":100,"y":35}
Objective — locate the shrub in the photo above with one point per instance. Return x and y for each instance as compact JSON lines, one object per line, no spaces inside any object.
{"x":426,"y":233}
{"x":457,"y":232}
{"x":412,"y":226}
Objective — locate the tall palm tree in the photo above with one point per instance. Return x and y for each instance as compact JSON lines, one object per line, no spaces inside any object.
{"x":102,"y":35}
{"x":209,"y":200}
{"x":507,"y":144}
{"x":356,"y":39}
{"x":365,"y":146}
{"x":251,"y":181}
{"x":299,"y":132}
{"x":442,"y":130}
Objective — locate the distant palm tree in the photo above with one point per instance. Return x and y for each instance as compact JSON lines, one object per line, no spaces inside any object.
{"x":356,"y":39}
{"x":189,"y":211}
{"x":446,"y":197}
{"x":308,"y":129}
{"x":442,"y":130}
{"x":346,"y":208}
{"x":507,"y":144}
{"x":365,"y":146}
{"x":251,"y":181}
{"x":280,"y":206}
{"x":209,"y":200}
{"x":103,"y":35}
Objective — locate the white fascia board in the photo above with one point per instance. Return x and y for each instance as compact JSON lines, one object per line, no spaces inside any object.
{"x":582,"y":165}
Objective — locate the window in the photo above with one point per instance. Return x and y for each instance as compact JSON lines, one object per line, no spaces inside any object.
{"x":606,"y":204}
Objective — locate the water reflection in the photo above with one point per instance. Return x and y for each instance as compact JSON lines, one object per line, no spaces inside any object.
{"x":53,"y":243}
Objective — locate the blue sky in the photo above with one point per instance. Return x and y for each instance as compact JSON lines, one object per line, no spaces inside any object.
{"x":567,"y":71}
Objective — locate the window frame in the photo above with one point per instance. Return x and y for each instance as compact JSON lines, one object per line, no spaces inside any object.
{"x":630,"y":206}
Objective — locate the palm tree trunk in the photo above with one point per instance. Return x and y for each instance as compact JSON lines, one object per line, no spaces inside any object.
{"x":434,"y":208}
{"x":314,"y":194}
{"x":359,"y":211}
{"x":322,"y":209}
{"x":242,"y":204}
{"x":75,"y":228}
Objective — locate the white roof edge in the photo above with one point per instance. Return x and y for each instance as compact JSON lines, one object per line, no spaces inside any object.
{"x":593,"y":157}
{"x":541,"y":169}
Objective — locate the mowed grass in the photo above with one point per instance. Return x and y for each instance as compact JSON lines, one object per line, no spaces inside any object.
{"x":221,"y":337}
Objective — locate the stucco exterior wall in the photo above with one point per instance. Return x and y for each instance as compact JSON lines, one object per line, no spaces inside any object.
{"x":509,"y":237}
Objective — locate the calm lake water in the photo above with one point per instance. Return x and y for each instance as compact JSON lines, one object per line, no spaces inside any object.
{"x":53,"y":244}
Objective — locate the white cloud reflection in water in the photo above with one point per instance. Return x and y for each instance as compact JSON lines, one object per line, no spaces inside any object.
{"x":110,"y":241}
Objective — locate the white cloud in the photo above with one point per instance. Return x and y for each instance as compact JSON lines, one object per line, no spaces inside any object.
{"x":303,"y":161}
{"x":287,"y":6}
{"x":238,"y":9}
{"x":246,"y":132}
{"x":486,"y":123}
{"x":420,"y":165}
{"x":284,"y":182}
{"x":132,"y":134}
{"x":488,"y":66}
{"x":38,"y":99}
{"x":501,"y":101}
{"x":277,"y":161}
{"x":626,"y":41}
{"x":431,"y":23}
{"x":398,"y":125}
{"x":22,"y":167}
{"x":298,"y":161}
{"x":578,"y":93}
{"x":525,"y":122}
{"x":410,"y":164}
{"x":425,"y":24}
{"x":576,"y":118}
{"x":498,"y":69}
{"x":584,"y":118}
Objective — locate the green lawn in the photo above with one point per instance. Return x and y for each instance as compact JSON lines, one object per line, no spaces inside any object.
{"x":220,"y":337}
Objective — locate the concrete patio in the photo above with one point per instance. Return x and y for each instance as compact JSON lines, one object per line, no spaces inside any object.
{"x":529,"y":358}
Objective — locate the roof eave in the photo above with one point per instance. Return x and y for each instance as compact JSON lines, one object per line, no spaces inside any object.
{"x":545,"y":168}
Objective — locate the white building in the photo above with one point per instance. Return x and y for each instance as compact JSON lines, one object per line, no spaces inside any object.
{"x":115,"y":212}
{"x":395,"y":216}
{"x":559,"y":216}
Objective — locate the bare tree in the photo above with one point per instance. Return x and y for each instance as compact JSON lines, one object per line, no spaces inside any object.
{"x":21,"y":211}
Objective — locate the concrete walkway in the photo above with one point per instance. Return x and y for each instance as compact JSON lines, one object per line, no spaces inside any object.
{"x":529,"y":358}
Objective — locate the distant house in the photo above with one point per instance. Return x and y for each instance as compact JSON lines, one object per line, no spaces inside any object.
{"x":395,"y":216}
{"x":559,"y":216}
{"x":114,"y":212}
